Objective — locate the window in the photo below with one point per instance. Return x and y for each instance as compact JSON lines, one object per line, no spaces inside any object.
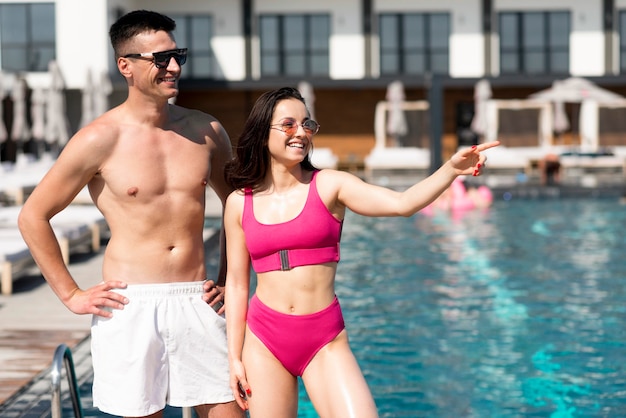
{"x":27,"y":36}
{"x":414,"y":44}
{"x":195,"y":32}
{"x":294,"y":45}
{"x":534,"y":42}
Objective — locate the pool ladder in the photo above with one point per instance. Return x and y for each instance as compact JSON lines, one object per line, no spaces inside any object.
{"x":63,"y":356}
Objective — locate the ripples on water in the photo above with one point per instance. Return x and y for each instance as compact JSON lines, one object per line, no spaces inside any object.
{"x":517,"y":311}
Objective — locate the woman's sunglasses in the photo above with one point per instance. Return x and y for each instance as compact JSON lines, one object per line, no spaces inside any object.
{"x":162,"y":59}
{"x":290,"y":126}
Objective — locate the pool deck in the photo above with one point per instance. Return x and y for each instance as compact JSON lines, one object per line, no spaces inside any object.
{"x":33,"y":322}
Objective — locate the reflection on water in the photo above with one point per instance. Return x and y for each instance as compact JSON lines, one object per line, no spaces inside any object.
{"x":517,"y":311}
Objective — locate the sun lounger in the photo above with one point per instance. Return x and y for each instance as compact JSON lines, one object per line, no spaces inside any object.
{"x":15,"y":258}
{"x":87,"y":215}
{"x":19,"y":180}
{"x":76,"y":228}
{"x":397,"y":158}
{"x":324,"y":158}
{"x":576,"y":164}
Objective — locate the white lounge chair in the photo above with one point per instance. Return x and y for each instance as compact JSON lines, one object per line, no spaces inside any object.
{"x":19,"y":180}
{"x":324,"y":158}
{"x":76,"y":228}
{"x":15,"y":258}
{"x":395,"y":158}
{"x":405,"y":158}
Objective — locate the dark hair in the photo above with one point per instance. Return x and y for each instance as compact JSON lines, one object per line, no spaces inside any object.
{"x":252,"y":157}
{"x":134,"y":23}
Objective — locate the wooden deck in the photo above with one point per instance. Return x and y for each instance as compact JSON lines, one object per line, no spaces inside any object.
{"x":26,"y":353}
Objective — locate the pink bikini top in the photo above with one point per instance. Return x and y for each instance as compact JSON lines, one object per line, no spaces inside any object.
{"x":310,"y":238}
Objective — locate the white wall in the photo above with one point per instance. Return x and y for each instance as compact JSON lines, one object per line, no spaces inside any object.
{"x":82,"y":39}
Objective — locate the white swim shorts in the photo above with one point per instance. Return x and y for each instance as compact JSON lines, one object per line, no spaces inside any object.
{"x":167,"y":346}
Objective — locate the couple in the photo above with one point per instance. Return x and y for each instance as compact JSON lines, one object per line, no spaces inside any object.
{"x":156,"y":337}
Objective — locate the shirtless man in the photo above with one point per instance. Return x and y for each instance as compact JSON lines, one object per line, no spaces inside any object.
{"x":147,"y":165}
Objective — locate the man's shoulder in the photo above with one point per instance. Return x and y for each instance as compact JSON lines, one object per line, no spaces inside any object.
{"x":194,"y":122}
{"x":194,"y":115}
{"x":99,"y":130}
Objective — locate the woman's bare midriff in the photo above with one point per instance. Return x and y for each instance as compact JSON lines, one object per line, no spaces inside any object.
{"x":299,"y":291}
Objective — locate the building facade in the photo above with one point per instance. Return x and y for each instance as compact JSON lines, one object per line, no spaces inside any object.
{"x":349,"y":51}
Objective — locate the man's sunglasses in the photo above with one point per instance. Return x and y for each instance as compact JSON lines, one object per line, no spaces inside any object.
{"x":162,"y":59}
{"x":290,"y":126}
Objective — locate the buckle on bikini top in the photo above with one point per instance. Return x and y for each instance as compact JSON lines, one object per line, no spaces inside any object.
{"x":284,"y":260}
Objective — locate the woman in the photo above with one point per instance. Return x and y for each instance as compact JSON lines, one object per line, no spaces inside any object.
{"x":285,"y":218}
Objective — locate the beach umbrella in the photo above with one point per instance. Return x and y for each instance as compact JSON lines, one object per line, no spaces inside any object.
{"x":57,"y":125}
{"x":38,"y":116}
{"x":102,"y":89}
{"x":38,"y":113}
{"x":87,"y":101}
{"x":482,"y":93}
{"x":396,"y":121}
{"x":3,"y":129}
{"x":306,"y":90}
{"x":20,"y":131}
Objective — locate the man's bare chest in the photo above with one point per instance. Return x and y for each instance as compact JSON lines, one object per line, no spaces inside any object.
{"x":148,"y":172}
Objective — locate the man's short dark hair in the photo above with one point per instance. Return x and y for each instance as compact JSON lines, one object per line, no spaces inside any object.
{"x":134,"y":23}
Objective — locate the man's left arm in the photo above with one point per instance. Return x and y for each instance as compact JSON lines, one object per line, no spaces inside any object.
{"x":220,"y":155}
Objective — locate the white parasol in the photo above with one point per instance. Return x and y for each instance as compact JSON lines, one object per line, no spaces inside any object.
{"x":38,"y":113}
{"x":306,"y":90}
{"x":102,"y":90}
{"x":87,"y":101}
{"x":482,"y":93}
{"x":396,"y":122}
{"x":19,"y":131}
{"x":57,"y":126}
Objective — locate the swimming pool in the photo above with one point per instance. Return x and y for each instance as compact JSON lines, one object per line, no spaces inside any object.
{"x":516,"y":311}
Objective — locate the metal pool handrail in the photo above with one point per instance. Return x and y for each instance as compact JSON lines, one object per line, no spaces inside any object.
{"x":63,"y":355}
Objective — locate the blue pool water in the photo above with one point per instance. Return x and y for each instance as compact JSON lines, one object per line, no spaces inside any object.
{"x":516,"y":311}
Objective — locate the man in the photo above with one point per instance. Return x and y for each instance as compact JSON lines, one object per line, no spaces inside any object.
{"x":147,"y":164}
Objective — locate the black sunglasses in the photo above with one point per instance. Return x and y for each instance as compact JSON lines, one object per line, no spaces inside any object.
{"x":162,"y":59}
